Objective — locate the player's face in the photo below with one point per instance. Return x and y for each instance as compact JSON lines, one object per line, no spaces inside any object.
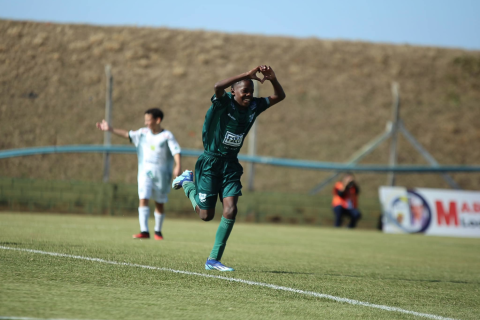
{"x":243,"y":93}
{"x":151,"y":122}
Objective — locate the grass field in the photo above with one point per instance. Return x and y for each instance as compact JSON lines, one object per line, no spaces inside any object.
{"x":430,"y":275}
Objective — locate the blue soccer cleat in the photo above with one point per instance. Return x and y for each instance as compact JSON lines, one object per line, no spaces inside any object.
{"x":216,"y":265}
{"x":186,"y":176}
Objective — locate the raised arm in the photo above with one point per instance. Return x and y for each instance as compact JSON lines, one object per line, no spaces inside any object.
{"x":177,"y":170}
{"x":104,"y":126}
{"x":347,"y":182}
{"x":220,"y":86}
{"x":278,"y":94}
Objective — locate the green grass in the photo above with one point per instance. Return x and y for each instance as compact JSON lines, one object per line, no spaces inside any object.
{"x":431,"y":275}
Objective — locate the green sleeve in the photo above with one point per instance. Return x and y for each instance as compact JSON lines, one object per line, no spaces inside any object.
{"x":221,"y":102}
{"x":262,"y":104}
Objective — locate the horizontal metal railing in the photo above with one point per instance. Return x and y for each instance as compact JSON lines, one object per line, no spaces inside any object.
{"x":300,"y":164}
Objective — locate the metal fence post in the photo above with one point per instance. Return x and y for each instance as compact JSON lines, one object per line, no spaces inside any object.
{"x":393,"y":145}
{"x":252,"y":142}
{"x":108,"y":118}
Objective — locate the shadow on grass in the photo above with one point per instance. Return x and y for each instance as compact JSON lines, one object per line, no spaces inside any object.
{"x":403,"y":279}
{"x":352,"y":276}
{"x":285,"y":272}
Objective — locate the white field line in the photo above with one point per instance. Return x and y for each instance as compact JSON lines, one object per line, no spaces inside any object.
{"x":252,"y":283}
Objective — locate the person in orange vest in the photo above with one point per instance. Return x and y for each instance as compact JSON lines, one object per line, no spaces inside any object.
{"x":345,"y":201}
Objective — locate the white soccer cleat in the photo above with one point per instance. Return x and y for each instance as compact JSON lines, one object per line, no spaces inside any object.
{"x":186,"y":176}
{"x":216,"y":265}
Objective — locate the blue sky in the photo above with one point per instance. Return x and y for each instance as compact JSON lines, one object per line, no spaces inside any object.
{"x":444,"y":23}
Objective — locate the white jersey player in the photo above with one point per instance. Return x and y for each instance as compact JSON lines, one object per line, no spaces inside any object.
{"x":158,"y":158}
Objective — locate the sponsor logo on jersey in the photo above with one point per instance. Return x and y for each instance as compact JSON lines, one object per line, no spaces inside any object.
{"x":234,"y":140}
{"x":202,"y":197}
{"x":152,"y":147}
{"x":231,"y":117}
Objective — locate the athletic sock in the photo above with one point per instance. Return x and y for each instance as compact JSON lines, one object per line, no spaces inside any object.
{"x":143,"y":213}
{"x":190,"y":191}
{"x":223,"y":232}
{"x":158,"y":221}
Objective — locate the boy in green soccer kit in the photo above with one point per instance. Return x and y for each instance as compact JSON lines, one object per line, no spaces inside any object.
{"x":217,"y":171}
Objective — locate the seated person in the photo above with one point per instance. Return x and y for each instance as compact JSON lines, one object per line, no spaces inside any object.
{"x":345,"y":201}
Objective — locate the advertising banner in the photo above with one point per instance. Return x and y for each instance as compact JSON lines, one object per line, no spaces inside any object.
{"x":437,"y":212}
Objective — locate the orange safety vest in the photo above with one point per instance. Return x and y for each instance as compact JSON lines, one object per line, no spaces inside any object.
{"x":351,"y":194}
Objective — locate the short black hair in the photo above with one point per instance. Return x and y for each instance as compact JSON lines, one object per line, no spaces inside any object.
{"x":235,"y":84}
{"x":155,"y":112}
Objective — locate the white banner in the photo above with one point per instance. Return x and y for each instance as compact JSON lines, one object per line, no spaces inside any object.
{"x":437,"y":212}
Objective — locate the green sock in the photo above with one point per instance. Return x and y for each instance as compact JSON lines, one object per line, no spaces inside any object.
{"x":223,"y":232}
{"x":190,"y":192}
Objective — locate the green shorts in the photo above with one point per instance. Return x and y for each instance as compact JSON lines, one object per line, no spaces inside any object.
{"x":216,"y":176}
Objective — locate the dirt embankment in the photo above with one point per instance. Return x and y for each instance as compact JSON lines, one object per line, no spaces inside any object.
{"x":52,"y":91}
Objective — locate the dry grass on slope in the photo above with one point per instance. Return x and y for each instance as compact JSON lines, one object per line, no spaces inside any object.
{"x":52,"y":91}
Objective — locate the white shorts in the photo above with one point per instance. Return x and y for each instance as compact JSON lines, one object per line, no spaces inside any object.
{"x":154,"y":183}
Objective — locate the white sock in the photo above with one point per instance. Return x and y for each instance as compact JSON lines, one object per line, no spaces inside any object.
{"x":143,"y":213}
{"x":158,"y":221}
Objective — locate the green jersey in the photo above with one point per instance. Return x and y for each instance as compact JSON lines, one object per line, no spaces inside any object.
{"x":226,"y":125}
